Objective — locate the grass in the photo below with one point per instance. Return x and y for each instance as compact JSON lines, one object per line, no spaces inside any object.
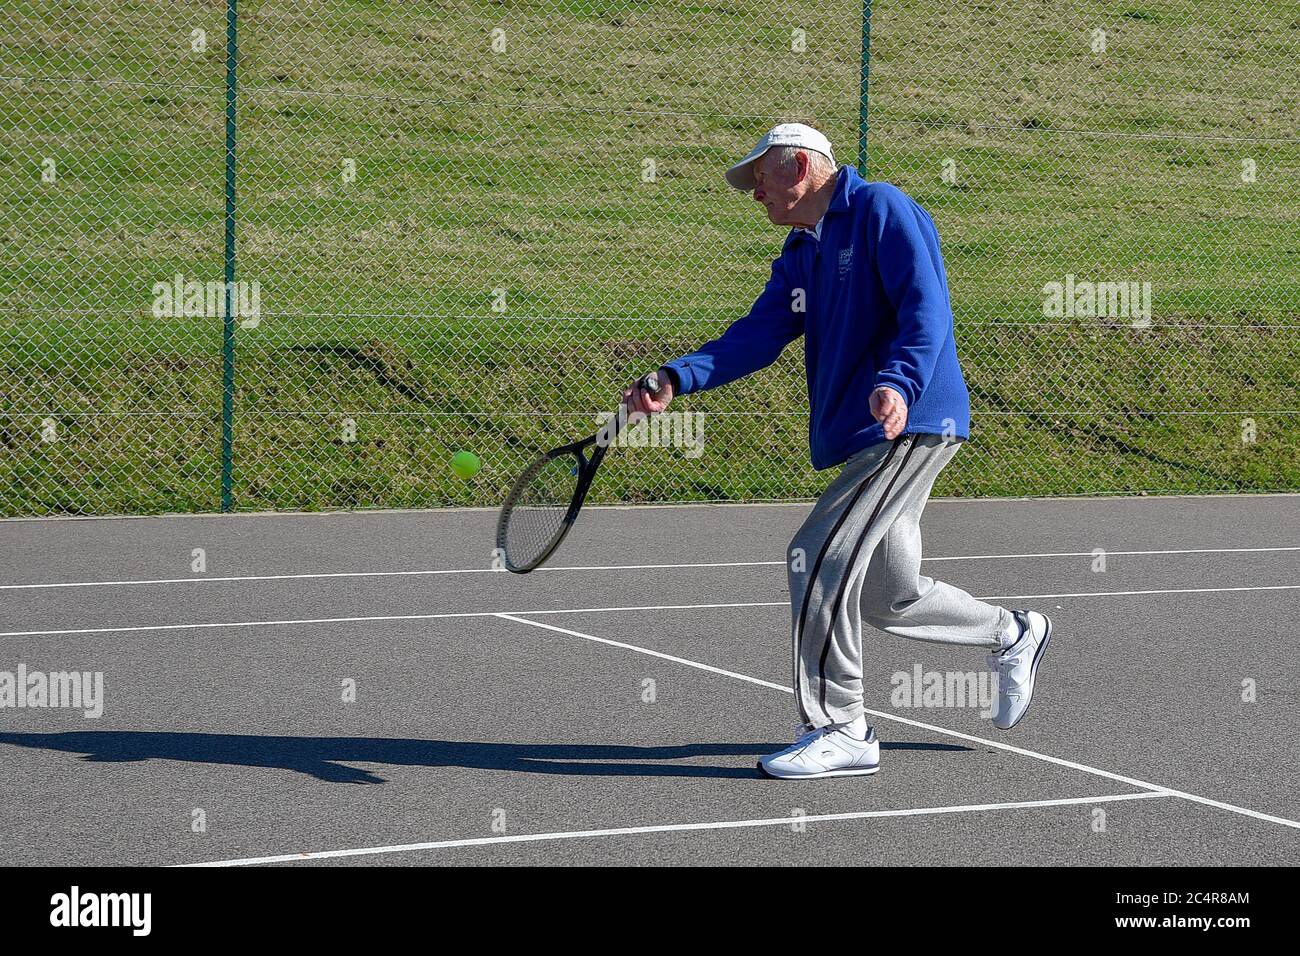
{"x":522,"y":171}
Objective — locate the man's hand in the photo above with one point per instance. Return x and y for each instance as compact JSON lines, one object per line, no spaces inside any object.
{"x":888,"y":408}
{"x":639,"y":400}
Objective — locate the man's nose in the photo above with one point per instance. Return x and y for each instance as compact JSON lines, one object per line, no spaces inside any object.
{"x":759,"y":194}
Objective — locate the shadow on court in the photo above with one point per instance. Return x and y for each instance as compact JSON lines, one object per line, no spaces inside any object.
{"x":327,"y":758}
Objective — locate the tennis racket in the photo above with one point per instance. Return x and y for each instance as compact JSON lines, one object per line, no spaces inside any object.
{"x":544,"y":501}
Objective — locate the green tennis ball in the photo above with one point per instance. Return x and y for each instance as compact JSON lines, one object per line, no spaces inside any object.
{"x":465,"y":464}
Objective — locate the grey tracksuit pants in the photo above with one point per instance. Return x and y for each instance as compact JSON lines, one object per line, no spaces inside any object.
{"x":857,"y":561}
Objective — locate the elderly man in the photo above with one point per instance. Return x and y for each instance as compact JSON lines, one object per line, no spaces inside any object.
{"x":860,"y":277}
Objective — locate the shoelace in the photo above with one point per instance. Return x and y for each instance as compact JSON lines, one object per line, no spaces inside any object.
{"x":807,"y":737}
{"x":1002,"y":664}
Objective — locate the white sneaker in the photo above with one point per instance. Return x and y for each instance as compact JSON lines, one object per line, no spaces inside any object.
{"x":827,"y":752}
{"x":1016,"y":667}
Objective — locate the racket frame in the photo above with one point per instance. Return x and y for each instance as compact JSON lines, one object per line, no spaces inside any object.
{"x":587,"y":466}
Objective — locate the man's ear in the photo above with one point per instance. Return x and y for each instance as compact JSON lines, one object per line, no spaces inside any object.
{"x":802,"y":164}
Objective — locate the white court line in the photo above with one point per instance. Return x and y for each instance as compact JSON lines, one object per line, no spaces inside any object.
{"x":591,"y":610}
{"x":672,"y":828}
{"x":1119,"y":778}
{"x":138,"y":582}
{"x":370,"y":574}
{"x":343,"y":514}
{"x":646,"y":650}
{"x":1075,"y":594}
{"x":385,"y":617}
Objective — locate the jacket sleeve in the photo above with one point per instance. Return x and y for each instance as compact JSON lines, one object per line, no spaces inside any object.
{"x":750,"y":343}
{"x":911,"y":274}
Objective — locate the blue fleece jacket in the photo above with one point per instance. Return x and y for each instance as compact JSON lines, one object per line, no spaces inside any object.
{"x":871,"y":300}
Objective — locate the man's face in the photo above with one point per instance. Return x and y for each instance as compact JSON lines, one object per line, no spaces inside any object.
{"x":779,"y":190}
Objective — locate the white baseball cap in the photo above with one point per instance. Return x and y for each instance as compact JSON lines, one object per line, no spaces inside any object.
{"x":784,"y":134}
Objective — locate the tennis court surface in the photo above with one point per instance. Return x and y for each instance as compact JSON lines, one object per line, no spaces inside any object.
{"x":363,"y":688}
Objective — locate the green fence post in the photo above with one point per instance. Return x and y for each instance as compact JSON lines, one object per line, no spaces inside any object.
{"x":228,"y":330}
{"x":862,"y":87}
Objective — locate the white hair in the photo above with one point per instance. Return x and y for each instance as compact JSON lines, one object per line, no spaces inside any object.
{"x":819,"y":164}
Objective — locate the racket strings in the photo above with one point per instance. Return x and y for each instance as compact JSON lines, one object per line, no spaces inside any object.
{"x":538,"y":510}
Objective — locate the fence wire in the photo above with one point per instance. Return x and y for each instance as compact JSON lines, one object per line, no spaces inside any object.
{"x":463,"y":226}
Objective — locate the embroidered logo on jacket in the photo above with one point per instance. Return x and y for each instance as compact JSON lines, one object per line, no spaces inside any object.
{"x":846,"y":261}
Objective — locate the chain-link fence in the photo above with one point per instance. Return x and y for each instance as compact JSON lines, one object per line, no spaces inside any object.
{"x":463,"y":225}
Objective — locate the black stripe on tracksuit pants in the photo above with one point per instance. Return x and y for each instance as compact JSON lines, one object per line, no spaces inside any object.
{"x":817,"y":566}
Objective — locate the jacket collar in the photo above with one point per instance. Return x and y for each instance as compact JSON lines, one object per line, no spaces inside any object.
{"x":848,"y":182}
